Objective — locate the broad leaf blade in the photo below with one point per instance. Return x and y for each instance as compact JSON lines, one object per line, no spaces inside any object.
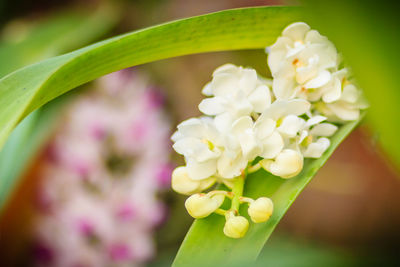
{"x":49,"y":37}
{"x":27,"y":89}
{"x":206,"y":245}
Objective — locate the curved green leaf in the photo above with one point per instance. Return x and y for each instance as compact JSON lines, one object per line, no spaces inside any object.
{"x":48,"y":37}
{"x":51,"y":36}
{"x":27,"y":89}
{"x":206,"y":245}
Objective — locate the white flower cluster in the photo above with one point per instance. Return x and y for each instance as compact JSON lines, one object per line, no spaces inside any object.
{"x":306,"y":65}
{"x":246,"y":125}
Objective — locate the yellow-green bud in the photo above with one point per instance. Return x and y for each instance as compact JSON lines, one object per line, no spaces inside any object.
{"x":236,"y":226}
{"x":201,"y":205}
{"x":183,"y":184}
{"x":261,"y":209}
{"x":287,"y":164}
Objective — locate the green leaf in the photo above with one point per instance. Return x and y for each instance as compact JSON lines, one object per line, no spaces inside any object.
{"x":33,"y":41}
{"x":206,"y":245}
{"x":367,"y":32}
{"x":48,"y":37}
{"x":22,"y":145}
{"x":27,"y":89}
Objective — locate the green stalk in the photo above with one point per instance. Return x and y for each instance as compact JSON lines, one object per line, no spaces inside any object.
{"x":238,"y":192}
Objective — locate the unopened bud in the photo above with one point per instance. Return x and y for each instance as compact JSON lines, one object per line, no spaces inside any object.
{"x":261,"y":209}
{"x":201,"y":205}
{"x":181,"y":182}
{"x":236,"y":226}
{"x":287,"y":164}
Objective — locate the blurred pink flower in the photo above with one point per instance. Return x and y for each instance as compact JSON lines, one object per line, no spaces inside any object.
{"x":98,"y":203}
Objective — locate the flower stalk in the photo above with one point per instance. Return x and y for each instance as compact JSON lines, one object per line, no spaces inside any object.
{"x":238,"y":192}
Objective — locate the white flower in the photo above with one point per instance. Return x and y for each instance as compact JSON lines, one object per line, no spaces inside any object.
{"x":198,"y":140}
{"x":236,"y":92}
{"x":285,"y":113}
{"x":301,"y":61}
{"x":207,"y":151}
{"x":313,"y":140}
{"x":348,"y":105}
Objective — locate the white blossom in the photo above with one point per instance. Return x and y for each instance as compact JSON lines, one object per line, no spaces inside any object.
{"x":199,"y":141}
{"x":347,"y":107}
{"x":313,"y":141}
{"x":301,"y":62}
{"x":236,"y":92}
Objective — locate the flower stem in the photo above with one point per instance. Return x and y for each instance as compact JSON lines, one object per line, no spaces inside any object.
{"x":221,"y":212}
{"x":238,"y":191}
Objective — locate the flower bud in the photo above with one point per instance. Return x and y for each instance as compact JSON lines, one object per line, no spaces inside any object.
{"x":287,"y":164}
{"x":201,"y":205}
{"x":236,"y":226}
{"x":181,"y":182}
{"x":261,"y":209}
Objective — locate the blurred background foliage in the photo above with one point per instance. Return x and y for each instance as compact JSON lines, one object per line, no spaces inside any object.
{"x":347,"y":216}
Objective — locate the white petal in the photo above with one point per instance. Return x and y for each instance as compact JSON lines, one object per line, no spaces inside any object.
{"x":250,"y":147}
{"x":307,"y":72}
{"x":314,"y":36}
{"x":207,"y":90}
{"x":176,"y":136}
{"x":296,"y":31}
{"x":284,"y":84}
{"x":333,"y":91}
{"x":212,"y":105}
{"x":287,"y":164}
{"x":303,"y":135}
{"x":223,"y":122}
{"x":192,"y":127}
{"x":240,"y":106}
{"x":226,"y":68}
{"x":282,"y":108}
{"x":242,"y":125}
{"x":203,"y":170}
{"x":243,"y":129}
{"x":224,"y":84}
{"x":350,"y":93}
{"x":195,"y":148}
{"x":278,"y":53}
{"x":322,"y":78}
{"x":264,"y":127}
{"x":291,"y":125}
{"x":230,"y":168}
{"x":323,"y":129}
{"x":260,"y":99}
{"x":272,"y":146}
{"x":316,"y":149}
{"x":248,"y":80}
{"x":315,"y":120}
{"x":344,"y":111}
